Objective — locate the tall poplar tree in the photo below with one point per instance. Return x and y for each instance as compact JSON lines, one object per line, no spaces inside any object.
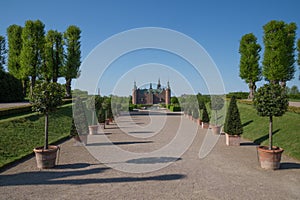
{"x":14,"y":37}
{"x":298,"y":47}
{"x":73,"y":55}
{"x":33,"y":37}
{"x":2,"y":52}
{"x":279,"y":58}
{"x":249,"y":62}
{"x":53,"y":56}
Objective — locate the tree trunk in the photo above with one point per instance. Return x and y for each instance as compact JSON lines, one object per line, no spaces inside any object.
{"x":270,"y":133}
{"x":68,"y":87}
{"x":252,"y":88}
{"x":46,"y":130}
{"x":24,"y":85}
{"x":32,"y":84}
{"x":283,"y":84}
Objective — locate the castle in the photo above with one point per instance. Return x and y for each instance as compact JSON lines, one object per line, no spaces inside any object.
{"x":151,"y":96}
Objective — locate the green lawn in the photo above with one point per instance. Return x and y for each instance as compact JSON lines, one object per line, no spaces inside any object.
{"x":19,"y":135}
{"x":286,"y":129}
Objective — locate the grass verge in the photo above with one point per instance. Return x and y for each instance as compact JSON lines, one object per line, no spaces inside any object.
{"x":20,"y":135}
{"x":285,"y":129}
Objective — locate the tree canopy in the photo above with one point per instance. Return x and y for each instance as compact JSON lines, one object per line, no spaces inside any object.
{"x":249,"y":61}
{"x":278,"y":61}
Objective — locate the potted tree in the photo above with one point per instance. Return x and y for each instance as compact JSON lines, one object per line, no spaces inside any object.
{"x":90,"y":104}
{"x":79,"y":127}
{"x":233,"y":127}
{"x":217,"y":103}
{"x":270,"y":100}
{"x":205,"y":118}
{"x":195,"y":114}
{"x":45,"y":99}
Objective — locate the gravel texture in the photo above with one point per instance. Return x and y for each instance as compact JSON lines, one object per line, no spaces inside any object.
{"x":225,"y":173}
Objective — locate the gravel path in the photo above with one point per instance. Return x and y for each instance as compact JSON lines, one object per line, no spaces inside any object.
{"x":226,"y":173}
{"x":9,"y":105}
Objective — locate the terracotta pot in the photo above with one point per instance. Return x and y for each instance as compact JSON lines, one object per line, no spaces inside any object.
{"x":269,"y":159}
{"x":216,"y":130}
{"x":107,"y":122}
{"x":233,"y":140}
{"x":205,"y":125}
{"x":46,"y":158}
{"x":93,"y":129}
{"x":83,"y":138}
{"x":199,"y":122}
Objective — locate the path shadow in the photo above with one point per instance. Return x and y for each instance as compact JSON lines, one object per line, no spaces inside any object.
{"x":153,"y":160}
{"x":74,"y":178}
{"x":72,"y":166}
{"x":260,"y":140}
{"x":288,"y":165}
{"x":139,"y":132}
{"x":118,"y":143}
{"x":247,"y":123}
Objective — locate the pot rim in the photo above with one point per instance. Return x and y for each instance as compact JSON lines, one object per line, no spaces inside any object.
{"x":51,"y":148}
{"x":274,"y":149}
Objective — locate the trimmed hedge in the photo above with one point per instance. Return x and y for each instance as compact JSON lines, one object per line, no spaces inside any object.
{"x":11,"y":89}
{"x":175,"y":108}
{"x":22,"y":109}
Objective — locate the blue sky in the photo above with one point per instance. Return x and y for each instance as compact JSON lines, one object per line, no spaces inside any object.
{"x":216,"y":25}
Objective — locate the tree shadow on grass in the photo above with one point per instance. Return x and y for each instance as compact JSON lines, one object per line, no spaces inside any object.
{"x":247,"y":123}
{"x":260,"y":140}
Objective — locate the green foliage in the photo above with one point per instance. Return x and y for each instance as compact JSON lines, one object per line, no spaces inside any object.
{"x":175,"y":108}
{"x":53,"y":55}
{"x":271,"y":100}
{"x":3,"y":52}
{"x":298,"y":48}
{"x":46,"y":97}
{"x":249,"y":61}
{"x":71,"y":68}
{"x":205,"y":116}
{"x":278,"y":62}
{"x":32,"y":49}
{"x":216,"y":104}
{"x":238,"y":95}
{"x":11,"y":88}
{"x":79,"y":118}
{"x":5,"y":112}
{"x":14,"y":33}
{"x":174,"y":100}
{"x":233,"y":124}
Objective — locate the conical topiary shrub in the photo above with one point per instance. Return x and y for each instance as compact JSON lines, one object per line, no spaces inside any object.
{"x":205,"y":118}
{"x":233,"y":126}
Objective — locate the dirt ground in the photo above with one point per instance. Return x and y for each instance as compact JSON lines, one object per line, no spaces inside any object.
{"x":225,"y":173}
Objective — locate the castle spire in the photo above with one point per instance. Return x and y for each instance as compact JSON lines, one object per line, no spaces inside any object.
{"x":134,"y":85}
{"x":158,"y":84}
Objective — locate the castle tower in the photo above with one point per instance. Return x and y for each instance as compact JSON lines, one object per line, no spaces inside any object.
{"x":158,"y":84}
{"x":134,"y":93}
{"x":168,"y":94}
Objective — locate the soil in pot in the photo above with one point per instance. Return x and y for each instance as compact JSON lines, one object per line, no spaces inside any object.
{"x":269,"y":159}
{"x":46,"y":158}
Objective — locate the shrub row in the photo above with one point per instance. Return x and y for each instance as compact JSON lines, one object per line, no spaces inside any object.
{"x":238,"y":95}
{"x":22,"y":109}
